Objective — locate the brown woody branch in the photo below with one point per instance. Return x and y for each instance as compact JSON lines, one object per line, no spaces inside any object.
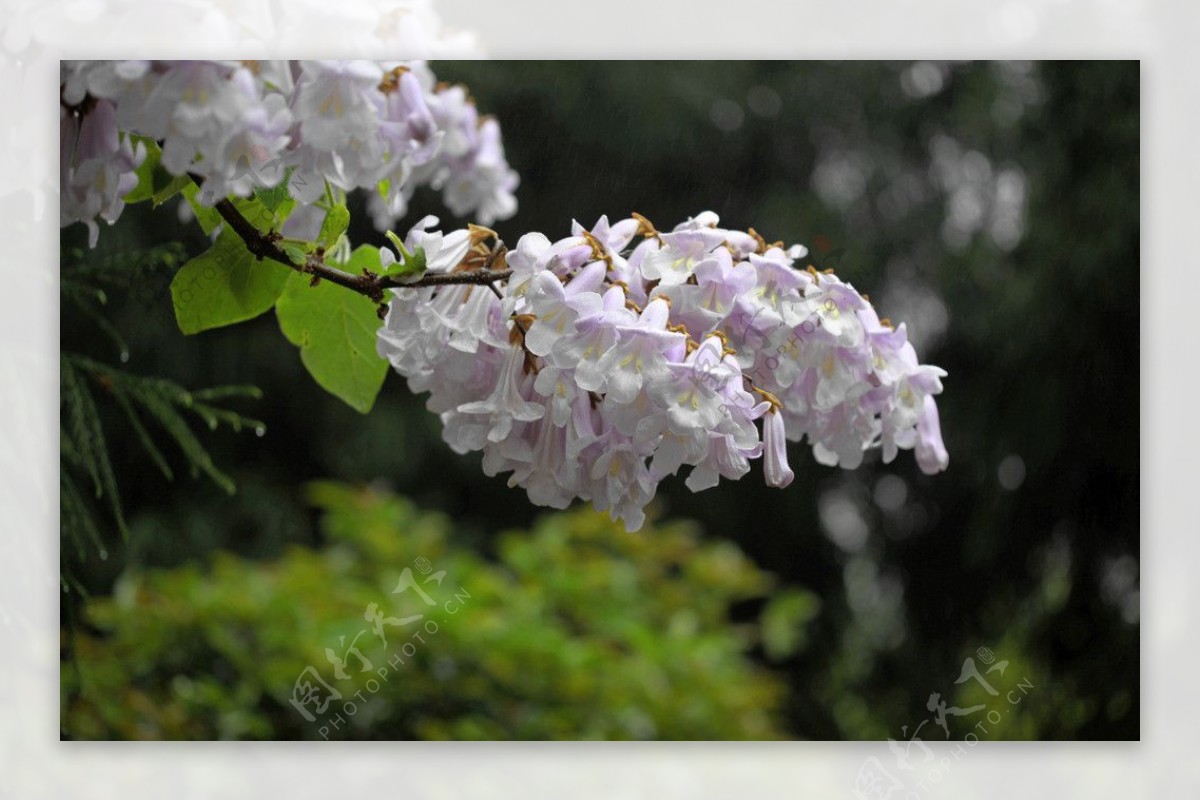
{"x":372,"y":285}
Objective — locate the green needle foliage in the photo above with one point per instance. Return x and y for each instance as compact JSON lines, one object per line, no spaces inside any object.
{"x":84,"y":449}
{"x":156,"y":409}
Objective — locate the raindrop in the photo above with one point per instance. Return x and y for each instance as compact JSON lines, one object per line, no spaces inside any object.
{"x":124,"y":356}
{"x":726,"y":115}
{"x":1011,"y":472}
{"x":764,"y":101}
{"x":840,"y":177}
{"x":1006,"y":111}
{"x":259,"y":431}
{"x":103,"y":555}
{"x":843,"y":522}
{"x":890,"y":493}
{"x":923,"y":79}
{"x":1131,"y":607}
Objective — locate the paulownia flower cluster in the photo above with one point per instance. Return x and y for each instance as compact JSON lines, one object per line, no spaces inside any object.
{"x":607,"y":364}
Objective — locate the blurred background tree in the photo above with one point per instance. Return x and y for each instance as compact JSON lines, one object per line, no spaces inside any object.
{"x":992,"y":206}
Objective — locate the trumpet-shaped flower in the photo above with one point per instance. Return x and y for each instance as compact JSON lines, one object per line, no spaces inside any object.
{"x":703,"y":348}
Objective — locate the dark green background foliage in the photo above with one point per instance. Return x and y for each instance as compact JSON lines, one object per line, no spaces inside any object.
{"x":992,"y":206}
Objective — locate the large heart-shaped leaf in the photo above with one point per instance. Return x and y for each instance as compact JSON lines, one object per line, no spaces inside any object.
{"x":335,"y":331}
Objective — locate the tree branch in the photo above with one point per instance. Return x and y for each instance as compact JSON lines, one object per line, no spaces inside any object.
{"x":372,"y":285}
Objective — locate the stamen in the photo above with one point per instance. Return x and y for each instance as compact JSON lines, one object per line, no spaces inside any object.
{"x":599,"y":252}
{"x":391,"y":80}
{"x":480,"y":233}
{"x":646,"y":228}
{"x":769,"y":397}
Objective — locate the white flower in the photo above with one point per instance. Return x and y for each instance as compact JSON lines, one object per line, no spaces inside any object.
{"x":775,"y":462}
{"x":599,"y":398}
{"x":640,"y":356}
{"x":506,"y":403}
{"x":338,"y":103}
{"x":674,"y":262}
{"x":383,"y":127}
{"x":97,"y":168}
{"x":556,"y":308}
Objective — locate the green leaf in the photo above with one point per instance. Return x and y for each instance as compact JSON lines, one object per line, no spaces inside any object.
{"x":411,"y":268}
{"x":208,"y":217}
{"x":154,"y":182}
{"x":408,"y":265}
{"x":255,"y":209}
{"x":295,"y":252}
{"x":260,"y":216}
{"x":274,"y":197}
{"x":225,"y":285}
{"x":785,"y":622}
{"x":335,"y":331}
{"x":336,"y":223}
{"x":173,"y":187}
{"x":364,"y":257}
{"x":145,"y":171}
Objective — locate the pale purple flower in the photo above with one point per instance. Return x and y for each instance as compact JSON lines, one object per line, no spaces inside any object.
{"x":625,"y":375}
{"x":931,"y":453}
{"x":506,"y":403}
{"x":96,"y":168}
{"x":775,"y":461}
{"x":681,"y":251}
{"x":382,"y":127}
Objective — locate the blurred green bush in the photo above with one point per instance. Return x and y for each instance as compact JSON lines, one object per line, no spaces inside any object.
{"x":576,"y":630}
